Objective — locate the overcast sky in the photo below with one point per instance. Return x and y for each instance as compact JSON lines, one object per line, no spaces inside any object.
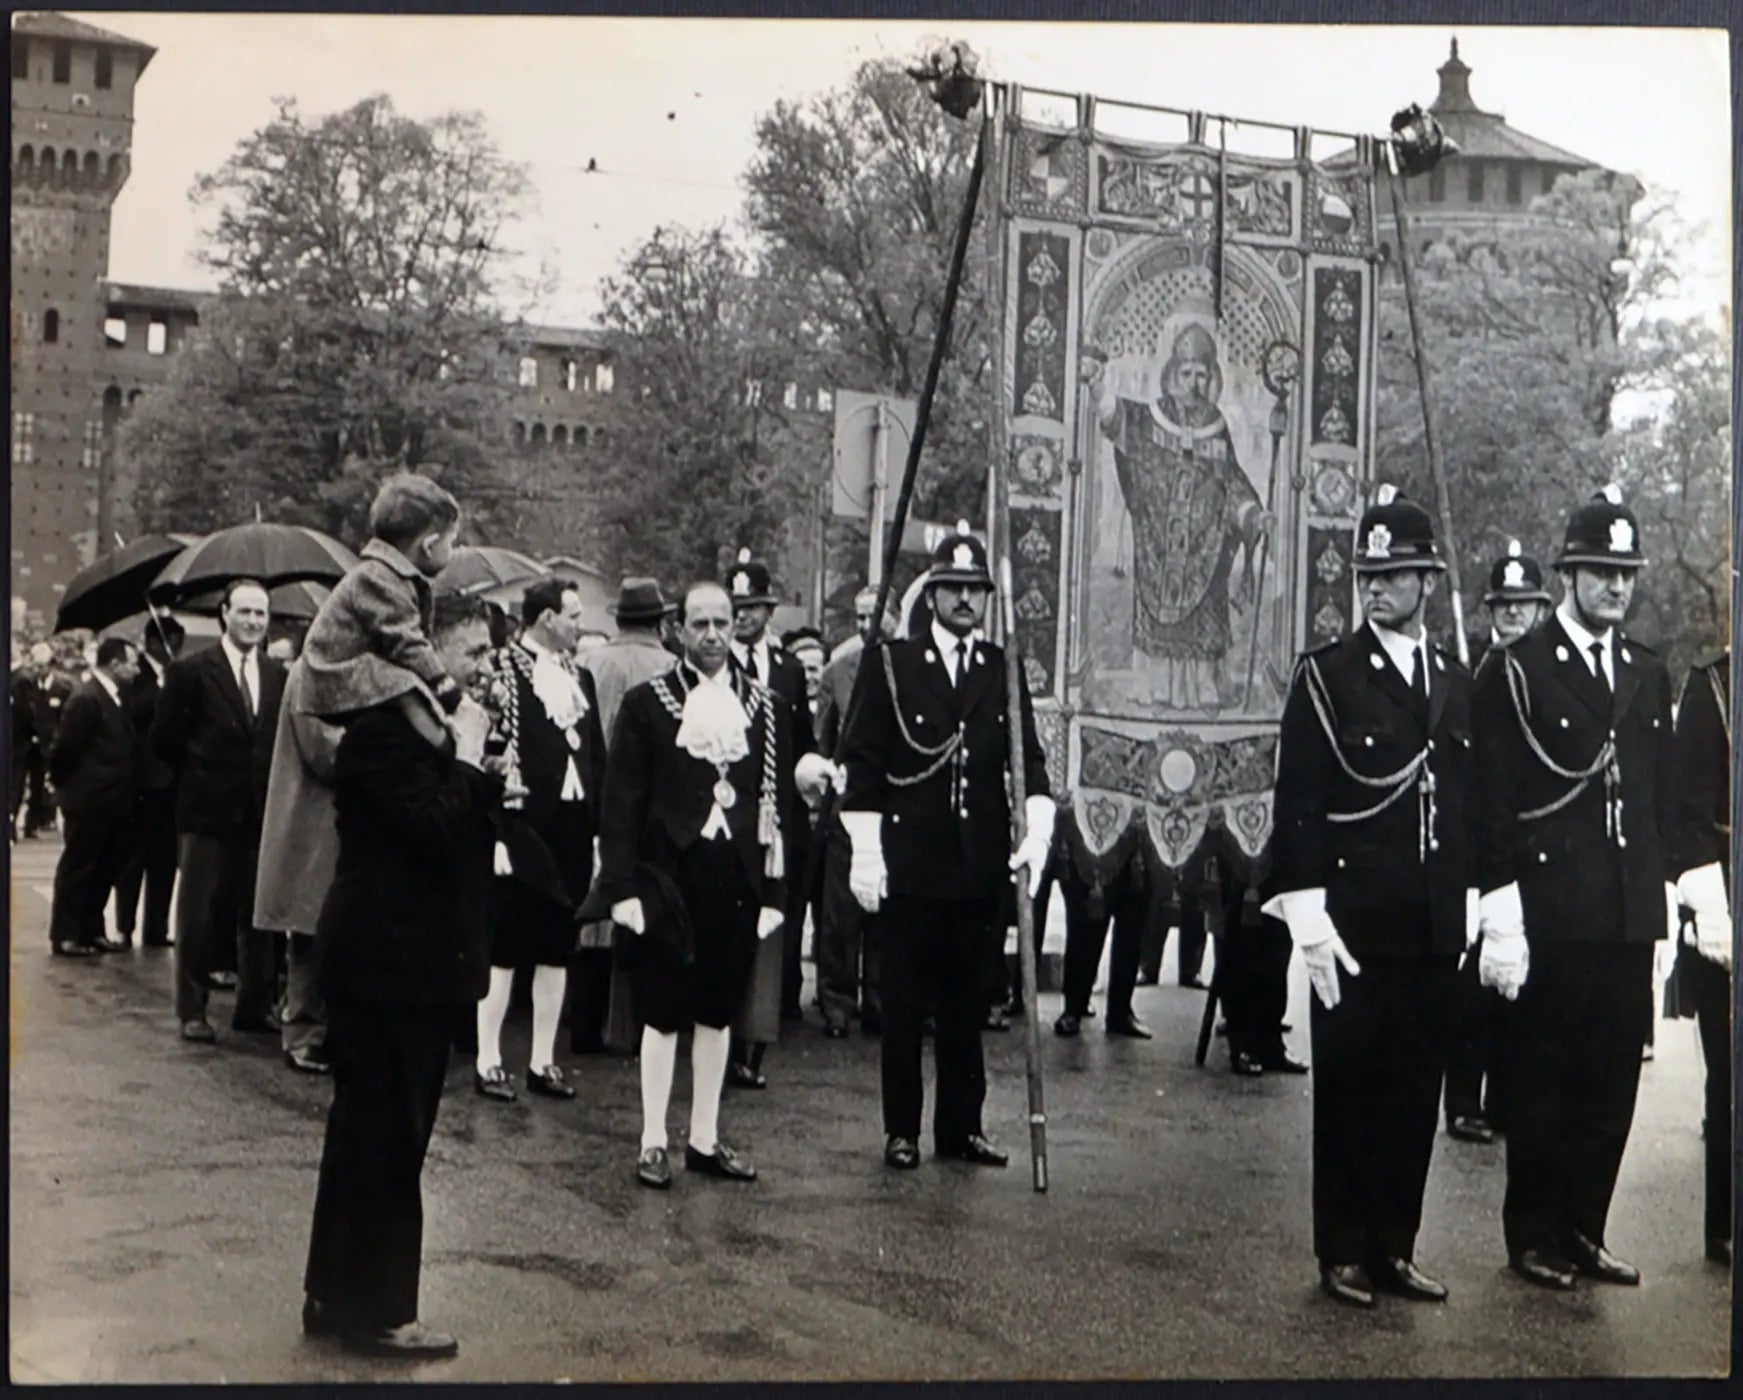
{"x":560,"y":91}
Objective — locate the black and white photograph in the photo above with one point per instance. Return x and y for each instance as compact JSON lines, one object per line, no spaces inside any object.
{"x":728,"y":699}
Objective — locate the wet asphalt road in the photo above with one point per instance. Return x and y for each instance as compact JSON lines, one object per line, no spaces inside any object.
{"x":160,"y":1198}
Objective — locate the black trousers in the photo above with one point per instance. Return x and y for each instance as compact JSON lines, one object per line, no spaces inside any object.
{"x":366,"y":1245}
{"x":1253,"y":983}
{"x":150,"y":867}
{"x":1570,"y":1087}
{"x":1088,"y":913}
{"x":847,"y":940}
{"x":215,"y":911}
{"x":1711,"y":985}
{"x":1190,"y":950}
{"x":1477,"y":1044}
{"x":935,"y":956}
{"x":1377,"y":1063}
{"x":792,"y":932}
{"x":90,"y":863}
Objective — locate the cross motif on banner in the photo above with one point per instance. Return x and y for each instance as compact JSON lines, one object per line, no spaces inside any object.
{"x":1198,"y":195}
{"x":1049,"y":171}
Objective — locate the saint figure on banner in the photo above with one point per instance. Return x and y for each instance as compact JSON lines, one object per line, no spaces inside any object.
{"x":1193,"y":513}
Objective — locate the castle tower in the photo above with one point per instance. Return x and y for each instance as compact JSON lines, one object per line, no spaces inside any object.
{"x":72,"y":124}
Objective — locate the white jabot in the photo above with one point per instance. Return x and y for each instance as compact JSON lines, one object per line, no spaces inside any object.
{"x":713,"y":729}
{"x":1584,"y":639}
{"x":560,"y":693}
{"x":1400,"y":649}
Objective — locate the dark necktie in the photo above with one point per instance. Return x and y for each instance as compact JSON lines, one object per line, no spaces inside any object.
{"x":750,"y":663}
{"x":956,"y":667}
{"x":1597,"y":651}
{"x":1418,"y":675}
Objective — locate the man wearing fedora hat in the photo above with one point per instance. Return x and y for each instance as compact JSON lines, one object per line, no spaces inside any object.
{"x":1371,"y":872}
{"x":637,"y":653}
{"x":1574,"y":745}
{"x":1518,"y":603}
{"x":929,"y":819}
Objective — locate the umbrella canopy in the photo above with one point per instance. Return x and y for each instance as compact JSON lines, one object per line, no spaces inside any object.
{"x":297,"y":602}
{"x":486,"y":570}
{"x":114,"y":586}
{"x":274,"y":554}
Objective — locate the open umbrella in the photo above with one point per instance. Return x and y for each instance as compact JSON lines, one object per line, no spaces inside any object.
{"x":271,"y":553}
{"x":288,"y":602}
{"x":486,"y":569}
{"x":114,"y":586}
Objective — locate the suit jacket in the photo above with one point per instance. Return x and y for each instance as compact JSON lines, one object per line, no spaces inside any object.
{"x":407,"y":919}
{"x":299,"y":836}
{"x":946,"y":835}
{"x":91,"y":760}
{"x":786,"y":679}
{"x":657,"y":796}
{"x":202,"y":732}
{"x":1576,"y":881}
{"x":1701,"y":821}
{"x":621,"y":663}
{"x":1391,"y":892}
{"x":835,"y":688}
{"x":150,"y":772}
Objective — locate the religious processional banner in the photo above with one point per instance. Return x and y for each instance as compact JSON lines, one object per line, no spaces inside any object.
{"x":1187,"y":382}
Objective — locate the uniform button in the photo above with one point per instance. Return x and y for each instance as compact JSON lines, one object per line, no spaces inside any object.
{"x":895,"y":816}
{"x":1340,"y":862}
{"x":1564,"y":723}
{"x":1543,"y":857}
{"x":919,"y":719}
{"x":1431,"y":745}
{"x":1368,"y":739}
{"x":965,"y":813}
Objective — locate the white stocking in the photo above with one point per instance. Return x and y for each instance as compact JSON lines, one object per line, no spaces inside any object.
{"x":548,"y":986}
{"x":492,"y":1012}
{"x":708,"y":1049}
{"x":659,"y":1057}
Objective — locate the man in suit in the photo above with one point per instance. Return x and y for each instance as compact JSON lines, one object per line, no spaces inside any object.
{"x":151,"y":864}
{"x":1371,"y":871}
{"x":1518,"y":603}
{"x":91,"y":766}
{"x":404,"y":944}
{"x":1094,"y":898}
{"x":754,"y":652}
{"x":548,"y":720}
{"x":1700,"y":849}
{"x":691,"y":867}
{"x":1574,"y":749}
{"x":216,"y":720}
{"x":929,"y":819}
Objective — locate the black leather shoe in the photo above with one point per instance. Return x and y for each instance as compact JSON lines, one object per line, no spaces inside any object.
{"x":653,"y":1168}
{"x":257,"y":1025}
{"x":412,"y":1341}
{"x":155,"y":940}
{"x":1719,"y":1250}
{"x":200,"y":1032}
{"x":1544,"y":1269}
{"x":977,"y":1149}
{"x":113,"y":945}
{"x":996,"y":1020}
{"x":1348,"y":1284}
{"x":1403,"y":1278}
{"x":1243,"y":1063}
{"x":308,"y":1059}
{"x":495,"y":1084}
{"x":723,"y":1162}
{"x":1067,"y":1025}
{"x":64,"y":949}
{"x":1469,"y":1128}
{"x":1129,"y":1026}
{"x":1283,"y":1063}
{"x":901,"y":1153}
{"x":1596,"y":1262}
{"x":549,"y":1082}
{"x":742,"y":1076}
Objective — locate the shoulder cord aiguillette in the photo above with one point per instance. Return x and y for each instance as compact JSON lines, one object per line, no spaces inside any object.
{"x":1604,"y":763}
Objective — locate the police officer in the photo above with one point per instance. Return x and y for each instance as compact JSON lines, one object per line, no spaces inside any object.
{"x":1573,"y":734}
{"x":1701,"y":852}
{"x":1518,"y":603}
{"x":928,"y":816}
{"x":1370,"y":874}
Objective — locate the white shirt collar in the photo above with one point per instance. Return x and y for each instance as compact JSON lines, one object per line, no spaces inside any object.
{"x":536,"y":647}
{"x":238,"y":657}
{"x":760,"y":648}
{"x":1400,"y":648}
{"x":103,"y":679}
{"x":1583,"y":637}
{"x":152,"y":661}
{"x":948,"y":643}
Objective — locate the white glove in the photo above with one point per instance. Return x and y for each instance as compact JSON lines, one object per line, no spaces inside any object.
{"x":1703,"y":890}
{"x":1663,"y":959}
{"x":813,"y":776}
{"x":1473,"y":917}
{"x":1316,"y":935}
{"x":628,"y":912}
{"x":768,"y":920}
{"x":470,"y":724}
{"x":867,"y":877}
{"x":500,"y":864}
{"x":1672,"y":914}
{"x":1506,"y":958}
{"x":1038,"y":815}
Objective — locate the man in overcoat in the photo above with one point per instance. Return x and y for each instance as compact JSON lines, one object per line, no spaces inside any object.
{"x":928,"y":814}
{"x":150,"y":872}
{"x":1371,"y":873}
{"x":1574,"y":751}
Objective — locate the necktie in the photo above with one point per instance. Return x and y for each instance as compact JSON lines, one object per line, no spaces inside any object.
{"x":1597,"y":651}
{"x":247,"y":683}
{"x":750,"y":664}
{"x":1418,"y":674}
{"x":956,"y":667}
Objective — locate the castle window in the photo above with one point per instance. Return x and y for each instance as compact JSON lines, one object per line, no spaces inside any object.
{"x":1515,"y":185}
{"x":26,"y":157}
{"x":92,"y":451}
{"x":1548,"y":181}
{"x":1474,"y":189}
{"x":603,"y":379}
{"x":571,"y":374}
{"x":790,"y":397}
{"x":529,"y":372}
{"x":63,"y":62}
{"x":520,"y":434}
{"x":23,"y":450}
{"x":69,"y":162}
{"x":92,"y":167}
{"x":105,"y":68}
{"x":115,"y":332}
{"x":51,"y":326}
{"x":157,"y":337}
{"x":825,"y":400}
{"x":581,"y":436}
{"x":559,"y":436}
{"x":20,"y":59}
{"x":538,"y":435}
{"x":599,"y":437}
{"x":1437,"y":186}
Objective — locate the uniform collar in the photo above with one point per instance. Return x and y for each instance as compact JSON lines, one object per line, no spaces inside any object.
{"x":393,"y":558}
{"x":948,"y":643}
{"x":1578,"y":633}
{"x":1399,"y":648}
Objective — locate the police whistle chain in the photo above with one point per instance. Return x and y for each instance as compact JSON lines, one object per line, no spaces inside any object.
{"x":1606,"y":763}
